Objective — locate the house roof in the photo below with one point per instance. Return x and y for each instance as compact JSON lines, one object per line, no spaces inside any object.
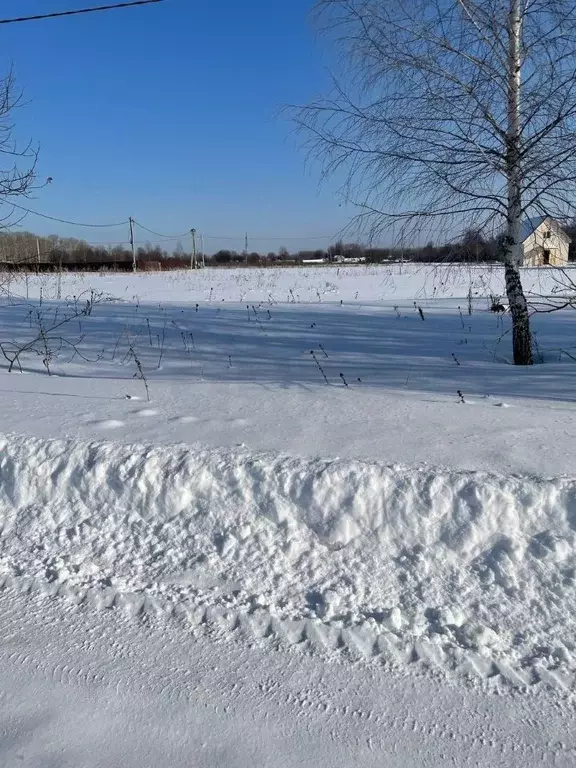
{"x":529,"y":226}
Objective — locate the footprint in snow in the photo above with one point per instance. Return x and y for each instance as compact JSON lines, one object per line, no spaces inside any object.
{"x":235,"y":422}
{"x":147,"y":412}
{"x":108,"y":424}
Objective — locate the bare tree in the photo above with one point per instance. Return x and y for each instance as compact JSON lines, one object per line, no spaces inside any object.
{"x":15,"y":180}
{"x":450,"y":115}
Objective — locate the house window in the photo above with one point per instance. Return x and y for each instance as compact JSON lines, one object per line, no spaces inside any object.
{"x":546,"y":257}
{"x":547,"y":235}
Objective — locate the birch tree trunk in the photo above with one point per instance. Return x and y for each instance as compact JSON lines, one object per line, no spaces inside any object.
{"x":521,"y":337}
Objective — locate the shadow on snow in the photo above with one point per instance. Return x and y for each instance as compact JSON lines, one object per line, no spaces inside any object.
{"x":371,"y":346}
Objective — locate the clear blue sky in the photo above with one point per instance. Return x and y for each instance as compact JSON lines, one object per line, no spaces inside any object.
{"x":167,"y":113}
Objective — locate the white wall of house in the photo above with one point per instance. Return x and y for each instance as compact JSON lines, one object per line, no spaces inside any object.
{"x":547,"y":245}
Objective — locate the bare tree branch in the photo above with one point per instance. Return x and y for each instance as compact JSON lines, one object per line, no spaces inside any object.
{"x":14,"y":181}
{"x":454,"y":111}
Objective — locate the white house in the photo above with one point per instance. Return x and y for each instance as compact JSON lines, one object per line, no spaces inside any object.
{"x":544,"y":243}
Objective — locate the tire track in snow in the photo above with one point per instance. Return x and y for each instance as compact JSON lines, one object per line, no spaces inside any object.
{"x":110,"y":658}
{"x":269,"y":629}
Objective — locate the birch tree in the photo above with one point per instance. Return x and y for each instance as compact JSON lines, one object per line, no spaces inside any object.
{"x":449,"y":115}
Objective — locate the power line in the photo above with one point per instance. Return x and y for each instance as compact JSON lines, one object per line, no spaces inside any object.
{"x":257,"y":237}
{"x":233,"y":238}
{"x":159,"y":234}
{"x":56,"y":14}
{"x":138,"y":242}
{"x":164,"y":237}
{"x":63,"y":221}
{"x":126,"y":241}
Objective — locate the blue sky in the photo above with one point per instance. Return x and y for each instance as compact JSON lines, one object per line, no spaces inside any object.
{"x":168,"y":113}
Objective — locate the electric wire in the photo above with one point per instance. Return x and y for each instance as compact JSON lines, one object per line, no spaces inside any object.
{"x":78,"y":11}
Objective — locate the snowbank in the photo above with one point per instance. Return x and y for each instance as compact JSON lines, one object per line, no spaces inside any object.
{"x":464,"y":570}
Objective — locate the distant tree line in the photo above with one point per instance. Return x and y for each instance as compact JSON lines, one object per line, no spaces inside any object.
{"x":25,"y":251}
{"x":471,"y":248}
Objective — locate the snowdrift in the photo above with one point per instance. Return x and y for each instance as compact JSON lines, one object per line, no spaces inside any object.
{"x":463,"y":570}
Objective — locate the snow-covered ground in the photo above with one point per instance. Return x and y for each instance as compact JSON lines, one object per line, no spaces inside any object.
{"x":319,"y":492}
{"x":227,"y":356}
{"x":87,"y":689}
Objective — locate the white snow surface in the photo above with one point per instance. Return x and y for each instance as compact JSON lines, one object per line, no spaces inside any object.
{"x":405,"y":282}
{"x":380,"y":560}
{"x":304,"y":526}
{"x":95,"y":690}
{"x":228,"y":359}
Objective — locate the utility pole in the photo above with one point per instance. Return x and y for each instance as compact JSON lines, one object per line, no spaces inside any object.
{"x":203,"y":251}
{"x":246,"y":248}
{"x":193,"y":257}
{"x":131,"y":220}
{"x":38,"y":253}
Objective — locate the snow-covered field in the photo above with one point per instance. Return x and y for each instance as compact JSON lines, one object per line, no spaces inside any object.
{"x":308,"y":516}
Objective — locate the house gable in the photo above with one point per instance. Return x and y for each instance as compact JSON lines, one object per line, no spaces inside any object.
{"x":536,"y":226}
{"x":544,"y":243}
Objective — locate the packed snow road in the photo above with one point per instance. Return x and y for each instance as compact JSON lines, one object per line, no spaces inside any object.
{"x":89,"y":689}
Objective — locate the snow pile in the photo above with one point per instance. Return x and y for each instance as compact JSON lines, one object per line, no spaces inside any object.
{"x":467,"y":570}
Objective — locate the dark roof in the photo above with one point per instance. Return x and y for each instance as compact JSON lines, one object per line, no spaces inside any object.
{"x":531,"y":225}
